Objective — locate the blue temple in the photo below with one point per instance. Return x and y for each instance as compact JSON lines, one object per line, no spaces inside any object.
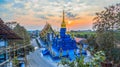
{"x":65,"y":42}
{"x":63,"y":45}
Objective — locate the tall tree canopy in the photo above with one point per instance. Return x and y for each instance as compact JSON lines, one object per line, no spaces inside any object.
{"x":108,"y":19}
{"x":22,"y":32}
{"x":106,"y":23}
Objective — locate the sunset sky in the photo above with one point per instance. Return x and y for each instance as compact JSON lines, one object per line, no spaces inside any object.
{"x":33,"y":14}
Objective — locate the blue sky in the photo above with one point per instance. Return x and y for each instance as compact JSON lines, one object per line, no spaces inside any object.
{"x":33,"y":14}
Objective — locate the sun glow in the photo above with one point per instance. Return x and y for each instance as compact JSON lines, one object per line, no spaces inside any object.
{"x":69,"y":22}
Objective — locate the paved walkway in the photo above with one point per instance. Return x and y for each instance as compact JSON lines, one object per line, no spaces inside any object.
{"x":34,"y":43}
{"x":36,"y":60}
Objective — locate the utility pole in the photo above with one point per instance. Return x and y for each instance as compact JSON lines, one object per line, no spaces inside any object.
{"x":24,"y":50}
{"x":9,"y":50}
{"x":14,"y":50}
{"x":14,"y":55}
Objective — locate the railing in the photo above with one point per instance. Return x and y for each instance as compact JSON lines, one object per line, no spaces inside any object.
{"x":8,"y":50}
{"x":4,"y":62}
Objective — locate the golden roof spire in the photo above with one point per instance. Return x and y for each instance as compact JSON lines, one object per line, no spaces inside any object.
{"x":63,"y":25}
{"x":63,"y":16}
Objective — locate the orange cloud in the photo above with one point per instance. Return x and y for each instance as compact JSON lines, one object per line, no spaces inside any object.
{"x":80,"y":23}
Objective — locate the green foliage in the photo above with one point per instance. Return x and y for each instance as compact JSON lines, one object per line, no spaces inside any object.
{"x":96,"y":60}
{"x":106,"y":40}
{"x":106,"y":22}
{"x":117,"y":35}
{"x":15,"y":62}
{"x":115,"y":53}
{"x":98,"y":57}
{"x":108,"y":19}
{"x":80,"y":62}
{"x":22,"y":32}
{"x":64,"y":62}
{"x":30,"y":48}
{"x":82,"y":34}
{"x":92,"y":42}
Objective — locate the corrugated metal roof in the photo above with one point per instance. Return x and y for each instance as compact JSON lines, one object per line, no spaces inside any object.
{"x":6,"y":32}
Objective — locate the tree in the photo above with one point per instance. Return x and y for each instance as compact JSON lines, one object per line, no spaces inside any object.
{"x":22,"y":32}
{"x":92,"y":43}
{"x":108,"y":19}
{"x":105,"y":24}
{"x":94,"y":61}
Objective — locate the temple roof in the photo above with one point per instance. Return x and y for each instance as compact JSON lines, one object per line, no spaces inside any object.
{"x":47,"y":29}
{"x":6,"y":32}
{"x":63,"y":25}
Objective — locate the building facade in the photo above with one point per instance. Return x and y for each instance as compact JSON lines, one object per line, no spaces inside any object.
{"x":6,"y":34}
